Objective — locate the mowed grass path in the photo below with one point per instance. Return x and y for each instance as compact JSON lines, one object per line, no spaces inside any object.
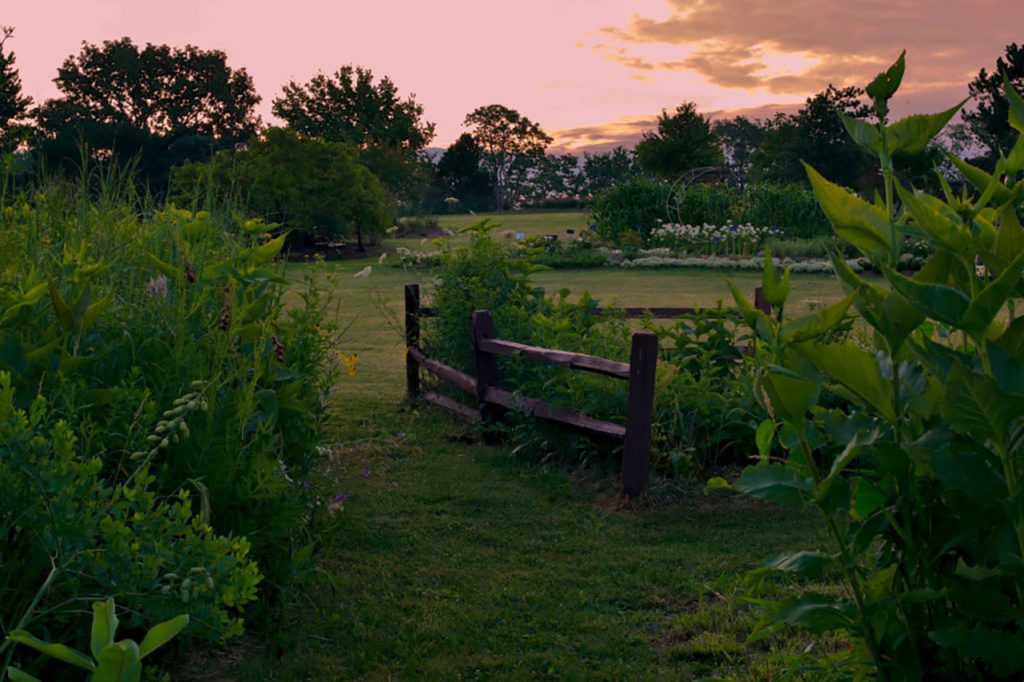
{"x":454,"y":560}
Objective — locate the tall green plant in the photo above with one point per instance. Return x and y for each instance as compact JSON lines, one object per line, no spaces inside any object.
{"x":918,"y":478}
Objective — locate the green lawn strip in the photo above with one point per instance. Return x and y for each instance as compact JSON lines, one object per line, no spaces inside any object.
{"x":455,"y":560}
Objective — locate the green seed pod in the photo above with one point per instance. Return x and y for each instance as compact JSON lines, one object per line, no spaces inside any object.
{"x":153,"y":439}
{"x":164,"y":443}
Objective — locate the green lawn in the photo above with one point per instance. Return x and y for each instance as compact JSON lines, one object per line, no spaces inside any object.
{"x":507,"y":225}
{"x":454,"y":560}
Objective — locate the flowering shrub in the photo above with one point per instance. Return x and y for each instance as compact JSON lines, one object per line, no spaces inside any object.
{"x":160,"y":410}
{"x":713,"y":240}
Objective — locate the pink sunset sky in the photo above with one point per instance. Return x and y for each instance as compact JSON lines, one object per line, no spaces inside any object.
{"x":591,"y":72}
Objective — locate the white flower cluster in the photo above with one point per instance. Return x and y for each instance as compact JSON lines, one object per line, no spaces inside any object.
{"x":713,"y":239}
{"x":408,"y":258}
{"x":721,"y":263}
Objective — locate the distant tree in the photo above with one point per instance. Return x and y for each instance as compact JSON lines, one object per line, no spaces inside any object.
{"x":684,"y":140}
{"x":319,"y":189}
{"x":163,"y":105}
{"x":816,"y":135}
{"x":460,"y":175}
{"x":350,"y":107}
{"x":989,"y":118}
{"x":510,"y":145}
{"x":553,"y":176}
{"x":604,"y":170}
{"x":740,"y":138}
{"x":13,"y":105}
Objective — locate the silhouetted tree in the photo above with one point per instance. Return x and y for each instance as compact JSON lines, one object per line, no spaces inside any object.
{"x":989,"y":118}
{"x":510,"y":144}
{"x":350,"y":107}
{"x":162,"y":105}
{"x":684,"y":140}
{"x":604,"y":170}
{"x":13,"y":104}
{"x":740,"y":138}
{"x":460,"y":174}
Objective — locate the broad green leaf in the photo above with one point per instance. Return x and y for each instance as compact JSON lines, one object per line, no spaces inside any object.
{"x":58,"y":651}
{"x":866,"y":499}
{"x":816,"y":324}
{"x":968,"y":472}
{"x":982,"y":180}
{"x":775,"y":483}
{"x":862,"y":224}
{"x":119,"y":662}
{"x":12,"y":355}
{"x":1009,"y":241}
{"x":863,"y":133}
{"x":1015,"y":159}
{"x":1000,"y":649}
{"x":764,"y":436}
{"x":67,"y":320}
{"x":93,"y":312}
{"x":937,"y":301}
{"x":990,"y":300}
{"x":160,"y":634}
{"x":885,"y":84}
{"x":104,"y":626}
{"x":806,"y":564}
{"x":973,"y":404}
{"x":861,"y":441}
{"x":16,"y":675}
{"x":790,"y":395}
{"x":776,"y":288}
{"x":265,"y":253}
{"x":855,"y":369}
{"x":1016,"y":104}
{"x":815,"y":613}
{"x":1012,"y":340}
{"x":754,"y":318}
{"x":716,"y":483}
{"x":913,"y":133}
{"x":165,"y":268}
{"x":940,"y":229}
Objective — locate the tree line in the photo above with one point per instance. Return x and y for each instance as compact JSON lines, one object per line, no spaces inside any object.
{"x":159,"y":108}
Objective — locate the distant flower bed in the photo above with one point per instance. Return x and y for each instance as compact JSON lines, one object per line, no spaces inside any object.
{"x":713,"y":240}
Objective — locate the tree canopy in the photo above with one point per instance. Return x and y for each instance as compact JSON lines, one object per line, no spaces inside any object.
{"x":13,"y":104}
{"x":989,"y":119}
{"x":460,"y":175}
{"x":604,"y":170}
{"x":510,"y":144}
{"x":161,"y":104}
{"x":684,"y":140}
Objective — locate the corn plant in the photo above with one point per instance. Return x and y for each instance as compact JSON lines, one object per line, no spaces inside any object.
{"x":919,"y":476}
{"x":111,"y":661}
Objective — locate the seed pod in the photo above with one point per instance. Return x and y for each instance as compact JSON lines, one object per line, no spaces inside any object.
{"x":164,"y":443}
{"x":160,"y":428}
{"x":153,"y":439}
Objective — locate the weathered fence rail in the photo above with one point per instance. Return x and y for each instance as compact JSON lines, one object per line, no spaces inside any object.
{"x":492,"y":400}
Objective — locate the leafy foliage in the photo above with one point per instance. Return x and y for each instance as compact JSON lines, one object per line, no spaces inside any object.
{"x":317,"y":188}
{"x":13,"y":104}
{"x":510,"y":145}
{"x":684,"y":140}
{"x":164,"y":105}
{"x":917,"y":476}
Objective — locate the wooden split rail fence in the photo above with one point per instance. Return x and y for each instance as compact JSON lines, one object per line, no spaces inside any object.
{"x":491,"y":400}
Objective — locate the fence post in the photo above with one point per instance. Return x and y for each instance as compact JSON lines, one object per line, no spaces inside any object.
{"x":643,"y":362}
{"x":761,"y":303}
{"x":412,"y":339}
{"x":486,"y":370}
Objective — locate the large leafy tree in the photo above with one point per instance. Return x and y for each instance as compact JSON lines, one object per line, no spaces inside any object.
{"x":461,"y":176}
{"x":511,"y":146}
{"x":317,"y":188}
{"x":683,"y":140}
{"x":740,"y":137}
{"x":13,"y":104}
{"x":350,"y":106}
{"x":989,"y":119}
{"x":158,"y":104}
{"x":815,"y":135}
{"x":604,"y":170}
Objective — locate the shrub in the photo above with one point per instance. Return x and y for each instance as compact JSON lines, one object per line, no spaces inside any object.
{"x":161,"y":407}
{"x":319,"y":189}
{"x":917,"y":474}
{"x":701,"y":203}
{"x":637,"y":207}
{"x":791,"y":208}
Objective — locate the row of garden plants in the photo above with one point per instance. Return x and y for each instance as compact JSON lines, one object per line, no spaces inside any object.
{"x":705,"y":408}
{"x":161,"y":407}
{"x":917,"y":474}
